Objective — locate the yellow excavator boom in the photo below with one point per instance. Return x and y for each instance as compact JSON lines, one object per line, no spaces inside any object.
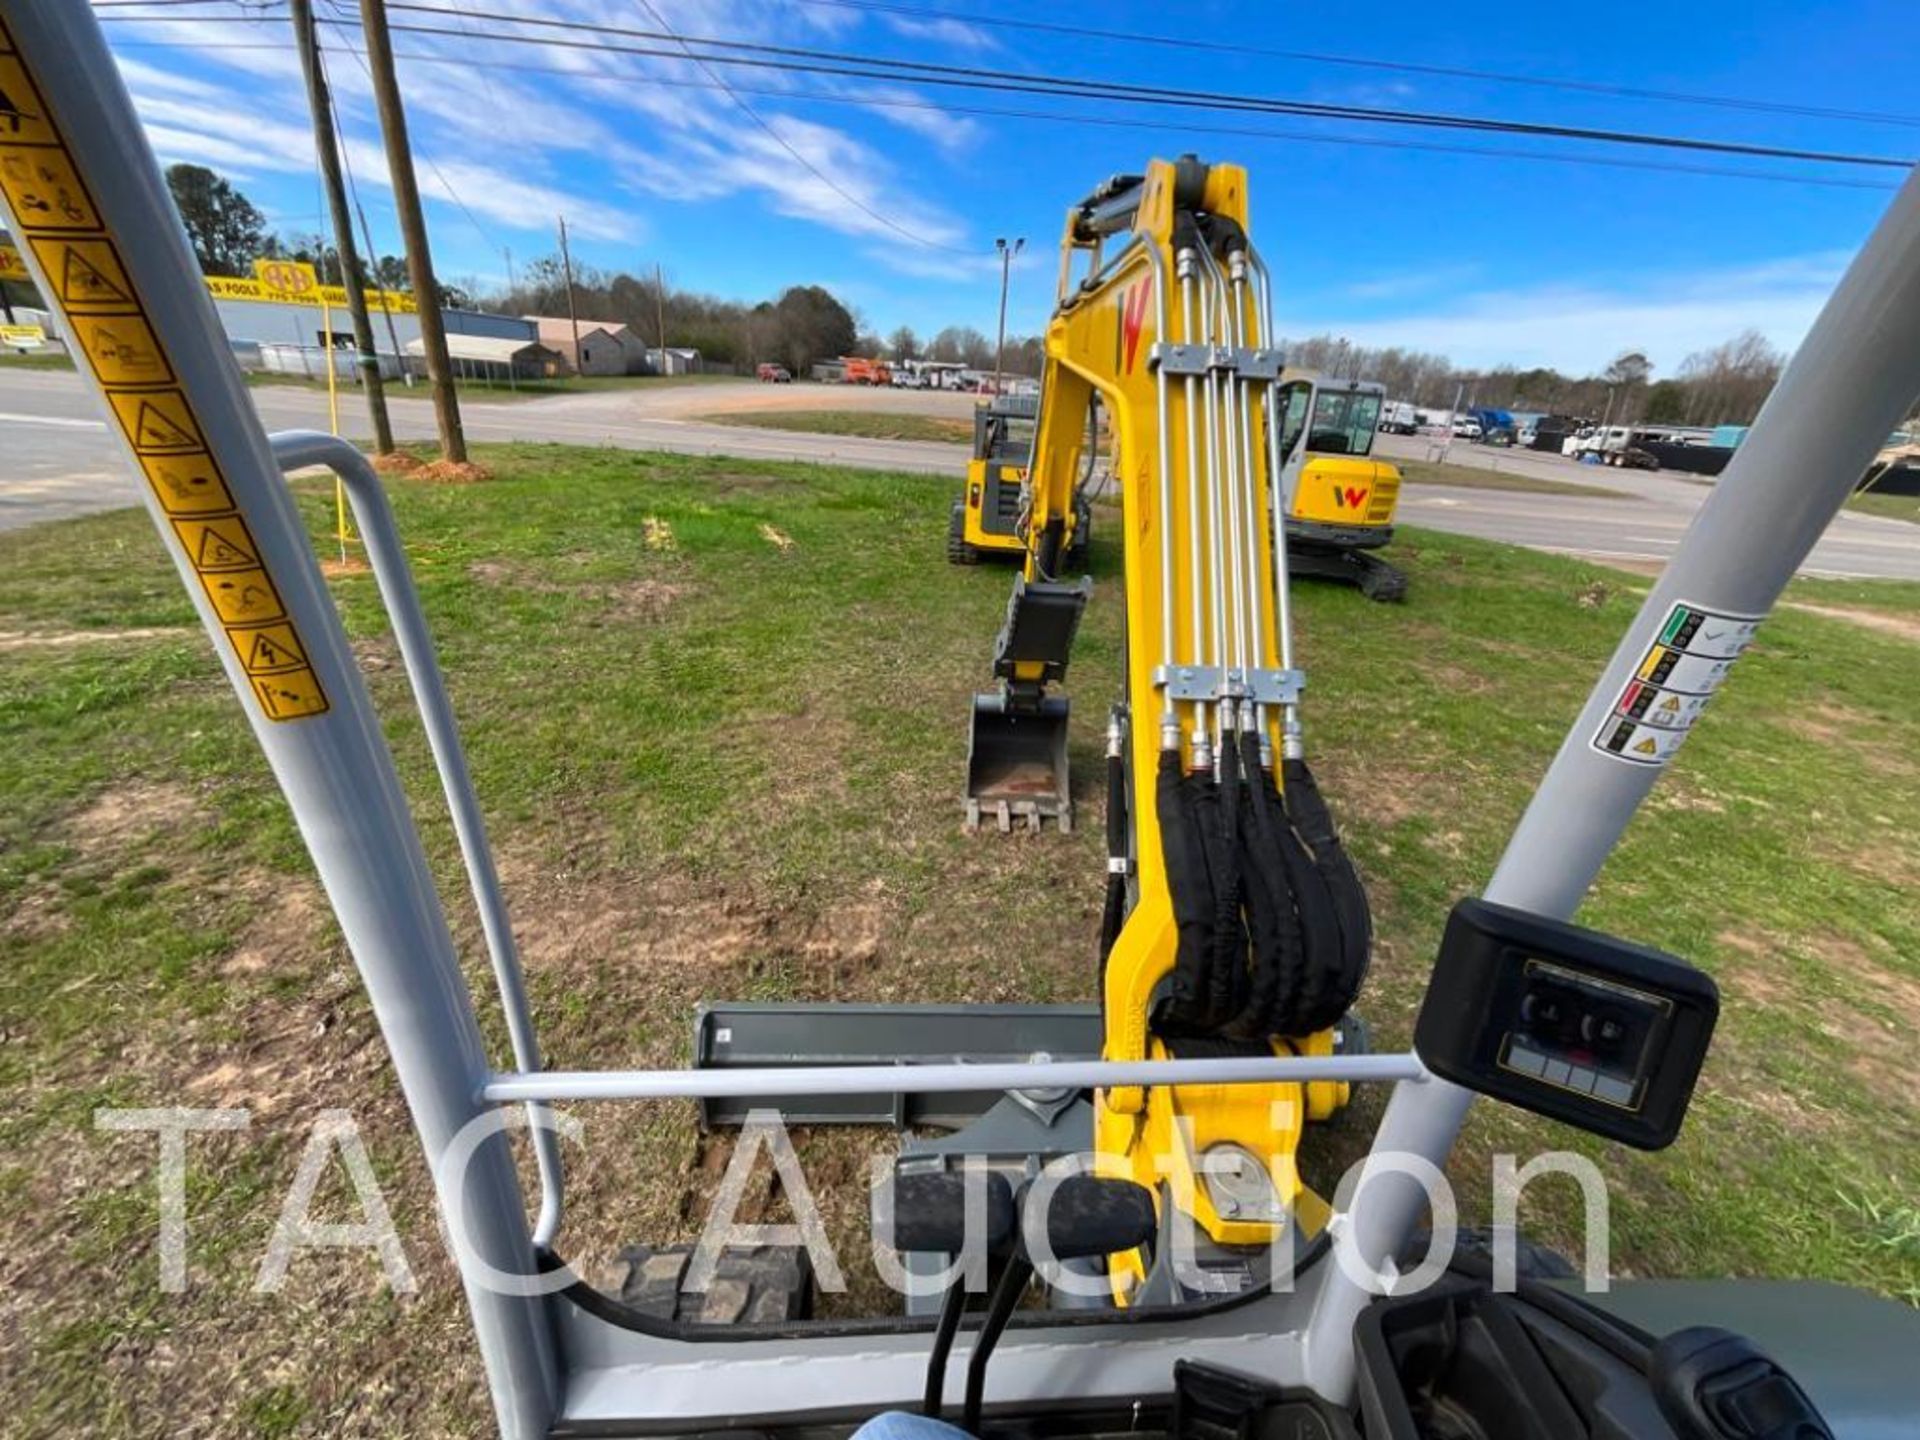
{"x":1235,"y":921}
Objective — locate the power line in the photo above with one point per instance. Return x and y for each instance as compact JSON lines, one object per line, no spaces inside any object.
{"x":1404,"y":67}
{"x":802,"y":160}
{"x":797,"y":59}
{"x":447,"y":184}
{"x":1117,"y":122}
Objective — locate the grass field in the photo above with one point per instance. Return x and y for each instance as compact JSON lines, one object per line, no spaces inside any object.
{"x":33,"y":360}
{"x":868,"y":424}
{"x":1893,"y":507}
{"x":1472,"y":477}
{"x":716,"y":714}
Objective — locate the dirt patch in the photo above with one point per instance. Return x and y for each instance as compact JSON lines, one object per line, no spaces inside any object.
{"x":397,"y":463}
{"x":288,"y":914}
{"x":1904,"y":627}
{"x":452,"y":472}
{"x":132,"y":811}
{"x":38,"y":914}
{"x":333,"y":567}
{"x":738,"y":483}
{"x":638,"y":599}
{"x":1830,"y":724}
{"x":644,"y":598}
{"x":63,"y":639}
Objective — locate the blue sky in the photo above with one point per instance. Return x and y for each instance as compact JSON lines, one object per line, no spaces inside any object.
{"x":1485,"y":258}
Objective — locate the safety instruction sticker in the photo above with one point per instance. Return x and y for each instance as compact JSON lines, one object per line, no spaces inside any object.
{"x":122,"y":348}
{"x":158,"y":422}
{"x":187,"y":484}
{"x":43,"y":187}
{"x":87,"y":274}
{"x":56,"y":219}
{"x":1687,"y":661}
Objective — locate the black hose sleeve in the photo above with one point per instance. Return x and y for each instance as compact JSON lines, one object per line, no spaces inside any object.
{"x":1227,"y":977}
{"x":1273,"y":926}
{"x":1332,"y":987}
{"x":1190,"y":890}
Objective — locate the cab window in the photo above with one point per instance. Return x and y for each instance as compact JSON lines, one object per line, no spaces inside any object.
{"x":1344,"y":422}
{"x":1294,"y":419}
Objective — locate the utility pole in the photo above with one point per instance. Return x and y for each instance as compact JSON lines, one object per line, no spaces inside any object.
{"x":660,"y":313}
{"x":513,"y":283}
{"x":413,"y":228}
{"x":566,"y":266}
{"x":1006,"y":264}
{"x":321,"y":103}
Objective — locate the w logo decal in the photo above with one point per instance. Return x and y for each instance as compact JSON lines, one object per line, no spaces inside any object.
{"x":1133,"y":314}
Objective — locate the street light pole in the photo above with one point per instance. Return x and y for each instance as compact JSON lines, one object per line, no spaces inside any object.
{"x":1006,"y":264}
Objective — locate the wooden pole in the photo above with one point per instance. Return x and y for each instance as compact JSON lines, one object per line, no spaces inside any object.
{"x":413,"y":228}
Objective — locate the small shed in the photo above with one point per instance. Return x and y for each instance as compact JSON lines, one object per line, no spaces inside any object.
{"x":498,"y":360}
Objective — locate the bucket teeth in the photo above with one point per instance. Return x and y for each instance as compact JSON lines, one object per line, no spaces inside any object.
{"x":1017,"y":764}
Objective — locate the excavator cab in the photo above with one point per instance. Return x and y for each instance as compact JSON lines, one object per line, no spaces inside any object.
{"x":989,"y":517}
{"x":1339,"y":499}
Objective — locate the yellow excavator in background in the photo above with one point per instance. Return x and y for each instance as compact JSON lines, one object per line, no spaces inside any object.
{"x":987,"y":520}
{"x":1235,"y":922}
{"x":1339,"y":499}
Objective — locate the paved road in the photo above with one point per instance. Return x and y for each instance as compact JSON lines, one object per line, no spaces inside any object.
{"x":58,"y":460}
{"x":1642,"y":526}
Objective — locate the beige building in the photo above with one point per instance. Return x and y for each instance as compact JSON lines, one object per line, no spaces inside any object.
{"x":605,"y":348}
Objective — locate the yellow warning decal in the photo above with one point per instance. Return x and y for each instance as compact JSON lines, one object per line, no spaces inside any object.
{"x":268,"y":649}
{"x":86,"y":274}
{"x":44,"y":189}
{"x":122,"y":348}
{"x":187,"y":484}
{"x":244,"y":597}
{"x":158,"y":422}
{"x":221,"y":543}
{"x":109,"y":331}
{"x":292,"y":696}
{"x":12,"y":267}
{"x":23,"y":116}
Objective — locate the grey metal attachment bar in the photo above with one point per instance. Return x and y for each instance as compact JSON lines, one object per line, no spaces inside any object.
{"x":296,"y":450}
{"x":754,"y":1038}
{"x":1248,"y":362}
{"x":1213,"y":682}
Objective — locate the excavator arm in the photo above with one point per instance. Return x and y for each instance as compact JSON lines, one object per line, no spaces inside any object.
{"x":1235,"y":922}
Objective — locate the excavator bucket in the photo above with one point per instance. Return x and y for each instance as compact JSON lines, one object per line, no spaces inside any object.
{"x":1017,"y":755}
{"x":1017,"y":763}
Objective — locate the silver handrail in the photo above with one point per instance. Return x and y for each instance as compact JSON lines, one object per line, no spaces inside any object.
{"x":938,"y":1079}
{"x":295,"y":450}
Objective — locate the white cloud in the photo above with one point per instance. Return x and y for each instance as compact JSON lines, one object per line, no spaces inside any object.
{"x":503,"y":135}
{"x":943,"y":30}
{"x":200,"y":131}
{"x":1579,"y":329}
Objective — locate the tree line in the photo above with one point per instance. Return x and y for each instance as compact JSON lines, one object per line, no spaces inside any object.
{"x":1723,"y":385}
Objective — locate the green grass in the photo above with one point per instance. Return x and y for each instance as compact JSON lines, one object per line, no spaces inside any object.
{"x":1893,"y":507}
{"x":1472,"y":477}
{"x":33,"y":360}
{"x":870,"y":424}
{"x":716,"y":766}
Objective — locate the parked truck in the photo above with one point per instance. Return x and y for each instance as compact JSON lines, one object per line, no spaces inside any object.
{"x":1398,"y":417}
